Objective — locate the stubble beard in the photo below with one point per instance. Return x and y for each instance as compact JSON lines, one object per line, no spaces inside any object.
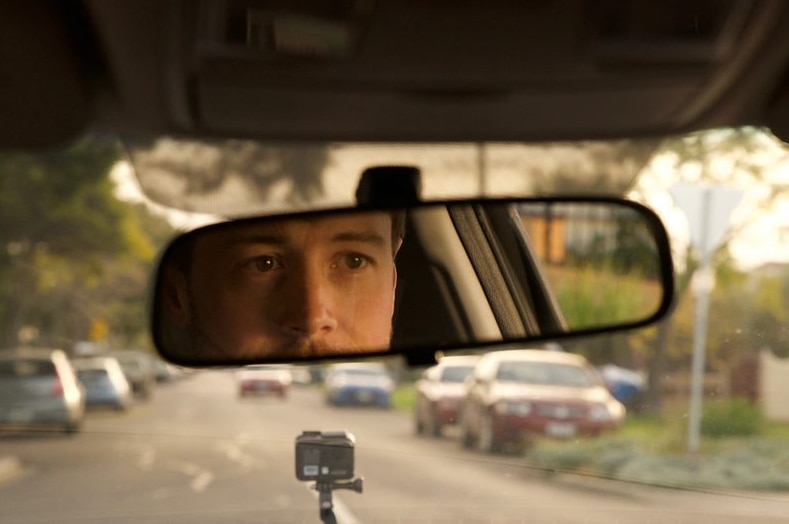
{"x":203,"y":346}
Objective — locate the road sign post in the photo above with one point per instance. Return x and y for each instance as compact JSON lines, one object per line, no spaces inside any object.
{"x":708,"y":209}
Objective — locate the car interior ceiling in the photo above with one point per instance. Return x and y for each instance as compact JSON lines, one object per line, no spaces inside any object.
{"x":403,"y":70}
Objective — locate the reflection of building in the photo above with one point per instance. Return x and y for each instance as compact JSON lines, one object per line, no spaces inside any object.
{"x":773,"y":388}
{"x":769,"y":377}
{"x":548,"y":234}
{"x":562,"y":229}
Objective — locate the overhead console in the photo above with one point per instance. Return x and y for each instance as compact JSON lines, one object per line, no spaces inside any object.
{"x":400,"y":70}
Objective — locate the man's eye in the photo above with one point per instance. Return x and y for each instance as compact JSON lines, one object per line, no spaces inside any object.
{"x":355,"y":261}
{"x":265,"y":263}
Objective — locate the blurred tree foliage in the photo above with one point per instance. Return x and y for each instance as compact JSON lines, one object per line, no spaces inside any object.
{"x":742,"y":319}
{"x":71,"y":254}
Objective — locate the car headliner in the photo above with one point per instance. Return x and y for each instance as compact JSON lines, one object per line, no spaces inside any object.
{"x":432,"y":70}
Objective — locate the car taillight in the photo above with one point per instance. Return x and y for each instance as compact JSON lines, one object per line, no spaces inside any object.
{"x":57,"y":386}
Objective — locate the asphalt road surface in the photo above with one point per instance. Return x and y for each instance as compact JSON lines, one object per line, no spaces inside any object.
{"x":197,"y":453}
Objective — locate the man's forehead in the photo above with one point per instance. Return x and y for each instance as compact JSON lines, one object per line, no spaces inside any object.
{"x":373,"y":227}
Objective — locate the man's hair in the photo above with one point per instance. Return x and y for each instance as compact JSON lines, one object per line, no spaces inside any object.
{"x":398,"y":228}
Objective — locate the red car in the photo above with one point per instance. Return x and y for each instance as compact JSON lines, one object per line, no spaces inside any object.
{"x":513,"y":395}
{"x":264,"y":380}
{"x":439,"y":394}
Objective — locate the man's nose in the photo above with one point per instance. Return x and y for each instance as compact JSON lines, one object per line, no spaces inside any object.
{"x":310,"y":305}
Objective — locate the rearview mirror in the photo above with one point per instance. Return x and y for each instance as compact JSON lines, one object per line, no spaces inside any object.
{"x":440,"y":275}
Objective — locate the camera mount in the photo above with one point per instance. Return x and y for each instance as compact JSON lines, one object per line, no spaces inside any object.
{"x":328,"y":459}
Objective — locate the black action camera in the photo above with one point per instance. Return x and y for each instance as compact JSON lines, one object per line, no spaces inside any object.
{"x":325,"y":456}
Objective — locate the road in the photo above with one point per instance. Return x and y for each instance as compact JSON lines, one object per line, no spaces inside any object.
{"x":197,"y":453}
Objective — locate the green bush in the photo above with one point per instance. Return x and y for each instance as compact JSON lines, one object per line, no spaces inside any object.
{"x":567,"y":457}
{"x":733,"y":418}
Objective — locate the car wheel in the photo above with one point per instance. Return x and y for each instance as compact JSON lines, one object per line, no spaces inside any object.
{"x":523,"y":444}
{"x":432,"y":427}
{"x":419,"y":426}
{"x":466,"y":437}
{"x":486,"y":442}
{"x":72,"y":427}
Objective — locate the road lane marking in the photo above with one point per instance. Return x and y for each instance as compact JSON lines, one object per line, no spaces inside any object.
{"x":201,"y":477}
{"x":201,"y":481}
{"x":235,"y":453}
{"x":10,"y":468}
{"x":147,"y":457}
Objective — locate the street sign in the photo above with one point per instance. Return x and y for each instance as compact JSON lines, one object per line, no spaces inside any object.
{"x":708,"y":209}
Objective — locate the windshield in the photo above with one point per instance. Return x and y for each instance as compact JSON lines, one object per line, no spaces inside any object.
{"x":361,"y":373}
{"x":455,"y":373}
{"x":79,"y":242}
{"x":545,"y":374}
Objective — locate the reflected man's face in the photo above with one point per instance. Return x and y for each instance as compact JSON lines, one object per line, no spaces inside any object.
{"x":312,"y":287}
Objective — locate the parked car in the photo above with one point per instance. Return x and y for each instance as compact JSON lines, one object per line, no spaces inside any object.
{"x":362,"y":383}
{"x":626,"y":385}
{"x":264,"y":380}
{"x":39,"y":389}
{"x":439,"y":393}
{"x":517,"y":394}
{"x":164,"y":371}
{"x":139,"y":370}
{"x":104,"y":382}
{"x":301,"y":375}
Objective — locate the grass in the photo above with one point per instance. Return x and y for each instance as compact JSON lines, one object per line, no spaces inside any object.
{"x":653,"y":450}
{"x":404,"y":397}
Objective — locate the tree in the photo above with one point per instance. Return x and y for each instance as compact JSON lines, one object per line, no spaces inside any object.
{"x":722,"y":156}
{"x":63,"y":232}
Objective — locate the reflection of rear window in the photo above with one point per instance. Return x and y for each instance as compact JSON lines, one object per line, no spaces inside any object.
{"x":363,"y":372}
{"x":455,"y":373}
{"x":131,"y":365}
{"x":27,"y":368}
{"x":91,"y":374}
{"x":544,"y":373}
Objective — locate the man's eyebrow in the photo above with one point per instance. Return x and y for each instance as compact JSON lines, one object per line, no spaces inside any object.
{"x":369,"y":237}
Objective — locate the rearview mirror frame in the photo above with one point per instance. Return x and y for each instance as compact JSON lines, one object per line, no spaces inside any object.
{"x":424,"y":353}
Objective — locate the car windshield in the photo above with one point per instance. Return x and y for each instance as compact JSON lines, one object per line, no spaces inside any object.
{"x":80,"y":242}
{"x":455,"y":373}
{"x":91,"y":374}
{"x":361,"y":372}
{"x":545,"y":374}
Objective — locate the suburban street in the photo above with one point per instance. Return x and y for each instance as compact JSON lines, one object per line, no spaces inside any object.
{"x":198,"y":453}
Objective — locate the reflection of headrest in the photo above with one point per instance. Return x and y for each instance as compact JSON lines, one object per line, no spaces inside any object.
{"x":389,"y":185}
